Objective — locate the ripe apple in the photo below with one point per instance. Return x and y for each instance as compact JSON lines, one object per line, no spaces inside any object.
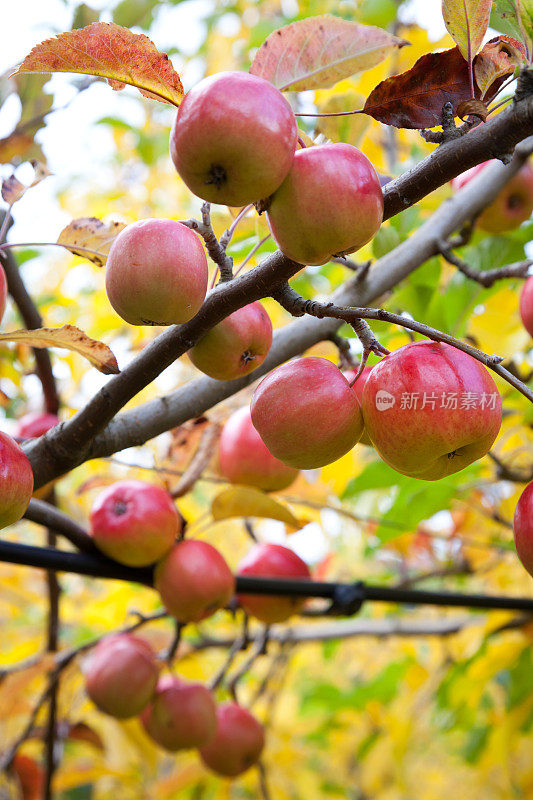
{"x":32,"y":425}
{"x":272,"y":561}
{"x":358,"y":387}
{"x":30,"y":776}
{"x":526,"y":305}
{"x":512,"y":206}
{"x":238,"y":742}
{"x":430,"y":410}
{"x":181,"y":715}
{"x":330,"y":204}
{"x":156,"y":273}
{"x":244,"y":458}
{"x":236,"y":346}
{"x":134,"y":522}
{"x":194,"y":581}
{"x":121,"y":675}
{"x":16,"y":481}
{"x":233,"y":139}
{"x":523,"y":528}
{"x":306,"y":413}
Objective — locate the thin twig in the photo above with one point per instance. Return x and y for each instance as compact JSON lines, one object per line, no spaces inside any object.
{"x":297,"y":305}
{"x":487,"y":277}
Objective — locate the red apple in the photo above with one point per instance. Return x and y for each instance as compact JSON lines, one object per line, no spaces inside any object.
{"x":134,"y":522}
{"x":156,"y":273}
{"x":523,"y":528}
{"x":236,"y":346}
{"x":245,"y":459}
{"x":32,"y":425}
{"x":272,"y":561}
{"x":121,"y":675}
{"x":306,"y":413}
{"x":330,"y":203}
{"x":526,"y":305}
{"x":16,"y":481}
{"x":512,"y":206}
{"x":430,"y":409}
{"x":30,"y":776}
{"x":233,"y":139}
{"x":181,"y":715}
{"x":238,"y":742}
{"x":194,"y":581}
{"x":358,"y":387}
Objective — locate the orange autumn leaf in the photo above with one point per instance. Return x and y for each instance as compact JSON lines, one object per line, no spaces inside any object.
{"x":112,"y":52}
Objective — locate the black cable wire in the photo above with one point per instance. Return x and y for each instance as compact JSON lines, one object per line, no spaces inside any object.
{"x":346,"y":598}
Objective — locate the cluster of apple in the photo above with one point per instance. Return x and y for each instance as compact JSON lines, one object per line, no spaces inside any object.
{"x":123,"y":679}
{"x":428,"y":409}
{"x":137,"y":524}
{"x":234,"y":142}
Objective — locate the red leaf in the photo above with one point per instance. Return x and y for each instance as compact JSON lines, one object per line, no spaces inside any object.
{"x":415,"y":98}
{"x":112,"y":52}
{"x":317,"y":52}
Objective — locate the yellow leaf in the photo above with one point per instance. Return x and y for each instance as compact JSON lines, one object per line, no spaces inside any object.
{"x":71,"y":338}
{"x":243,"y":501}
{"x":90,"y":233}
{"x":112,"y":52}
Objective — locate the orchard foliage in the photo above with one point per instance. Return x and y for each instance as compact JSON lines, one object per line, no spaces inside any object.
{"x":397,"y":702}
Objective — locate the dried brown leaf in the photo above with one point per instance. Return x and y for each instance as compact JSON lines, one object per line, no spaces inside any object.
{"x":415,"y":98}
{"x":70,"y":338}
{"x":91,"y":234}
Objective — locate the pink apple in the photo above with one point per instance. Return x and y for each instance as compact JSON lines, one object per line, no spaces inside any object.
{"x":358,"y":387}
{"x":306,"y":413}
{"x":272,"y":561}
{"x":181,"y":715}
{"x":121,"y":675}
{"x":430,"y":410}
{"x":194,"y":581}
{"x":156,"y":273}
{"x":512,"y":206}
{"x":238,"y":742}
{"x":236,"y":346}
{"x":523,"y":528}
{"x":526,"y":305}
{"x":32,"y":425}
{"x":245,"y":459}
{"x":233,"y":139}
{"x":134,"y":522}
{"x":16,"y":481}
{"x":330,"y":203}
